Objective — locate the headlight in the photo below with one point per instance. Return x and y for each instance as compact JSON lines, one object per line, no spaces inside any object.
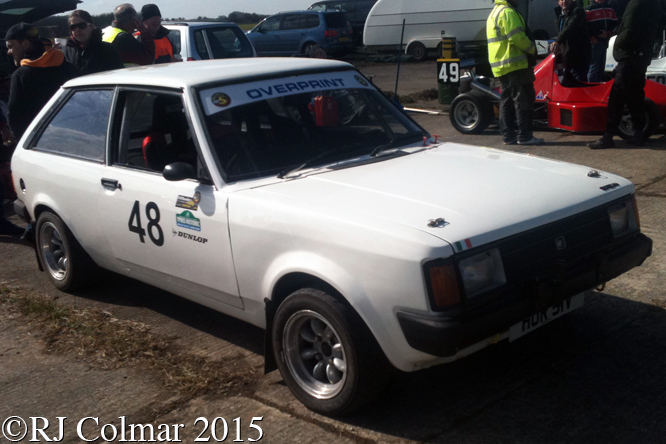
{"x":482,"y":272}
{"x":476,"y":274}
{"x":623,"y":218}
{"x":619,"y":219}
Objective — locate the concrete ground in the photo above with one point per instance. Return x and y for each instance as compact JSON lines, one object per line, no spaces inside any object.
{"x":594,"y":376}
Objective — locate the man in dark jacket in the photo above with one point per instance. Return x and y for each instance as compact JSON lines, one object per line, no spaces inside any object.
{"x":633,"y":47}
{"x":601,"y":21}
{"x":119,"y":34}
{"x":573,"y":42}
{"x":40,"y":74}
{"x":85,"y":49}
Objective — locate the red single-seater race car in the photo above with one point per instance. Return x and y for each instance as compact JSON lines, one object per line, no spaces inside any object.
{"x":582,"y":108}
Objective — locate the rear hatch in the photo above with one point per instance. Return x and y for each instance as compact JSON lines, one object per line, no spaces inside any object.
{"x":15,"y":11}
{"x":338,"y":30}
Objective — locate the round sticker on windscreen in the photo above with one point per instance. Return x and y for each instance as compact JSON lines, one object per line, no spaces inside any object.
{"x":361,"y":80}
{"x":221,"y":99}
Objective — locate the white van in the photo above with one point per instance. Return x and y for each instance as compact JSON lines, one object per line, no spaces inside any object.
{"x":427,"y":21}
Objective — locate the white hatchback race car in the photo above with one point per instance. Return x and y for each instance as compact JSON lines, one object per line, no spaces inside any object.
{"x":292,"y":194}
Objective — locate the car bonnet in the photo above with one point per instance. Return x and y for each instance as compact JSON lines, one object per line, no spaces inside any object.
{"x":468,"y":193}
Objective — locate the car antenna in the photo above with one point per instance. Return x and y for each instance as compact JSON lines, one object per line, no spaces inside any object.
{"x":397,"y":76}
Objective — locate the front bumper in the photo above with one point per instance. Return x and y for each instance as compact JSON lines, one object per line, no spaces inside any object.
{"x":442,"y":334}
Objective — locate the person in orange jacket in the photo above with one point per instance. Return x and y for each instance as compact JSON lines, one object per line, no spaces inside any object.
{"x":152,"y":20}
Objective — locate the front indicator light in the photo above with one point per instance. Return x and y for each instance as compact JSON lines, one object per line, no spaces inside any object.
{"x":636,"y":216}
{"x":444,"y":285}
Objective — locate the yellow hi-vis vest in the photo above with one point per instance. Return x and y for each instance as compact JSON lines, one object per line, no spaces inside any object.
{"x":109,"y":34}
{"x":508,"y":45}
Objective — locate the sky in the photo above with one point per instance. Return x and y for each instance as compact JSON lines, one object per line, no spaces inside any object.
{"x":204,"y":8}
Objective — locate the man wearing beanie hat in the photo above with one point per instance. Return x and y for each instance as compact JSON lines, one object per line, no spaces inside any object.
{"x":152,"y":20}
{"x":119,"y":34}
{"x":41,"y":72}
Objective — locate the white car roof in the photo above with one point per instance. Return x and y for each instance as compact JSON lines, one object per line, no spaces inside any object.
{"x":184,"y":75}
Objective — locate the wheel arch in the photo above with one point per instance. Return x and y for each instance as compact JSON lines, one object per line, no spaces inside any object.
{"x":428,"y":42}
{"x":286,"y":285}
{"x":306,"y":43}
{"x":40,"y":208}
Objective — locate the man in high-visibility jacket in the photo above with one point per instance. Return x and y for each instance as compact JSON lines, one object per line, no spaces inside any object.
{"x":511,"y":54}
{"x":119,"y":34}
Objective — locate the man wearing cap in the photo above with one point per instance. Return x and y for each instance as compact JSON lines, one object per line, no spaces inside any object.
{"x":119,"y":34}
{"x":152,"y":20}
{"x":41,"y":72}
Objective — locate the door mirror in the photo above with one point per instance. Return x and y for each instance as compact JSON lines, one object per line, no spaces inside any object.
{"x":177,"y":171}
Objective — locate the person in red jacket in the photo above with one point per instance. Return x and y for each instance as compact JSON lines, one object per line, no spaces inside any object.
{"x":601,"y":21}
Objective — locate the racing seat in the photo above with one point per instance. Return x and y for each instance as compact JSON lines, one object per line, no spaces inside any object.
{"x":167,"y":141}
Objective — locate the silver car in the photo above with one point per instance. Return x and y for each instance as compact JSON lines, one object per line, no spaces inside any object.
{"x":208,"y":40}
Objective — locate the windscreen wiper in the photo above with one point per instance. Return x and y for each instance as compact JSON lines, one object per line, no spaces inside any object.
{"x":396,"y":141}
{"x":307,"y":163}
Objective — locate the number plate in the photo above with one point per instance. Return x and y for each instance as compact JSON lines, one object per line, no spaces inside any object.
{"x":448,"y":71}
{"x":344,"y":39}
{"x":542,"y":318}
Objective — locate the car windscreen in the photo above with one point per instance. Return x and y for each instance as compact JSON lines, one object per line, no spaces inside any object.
{"x":268,"y":127}
{"x":336,"y":20}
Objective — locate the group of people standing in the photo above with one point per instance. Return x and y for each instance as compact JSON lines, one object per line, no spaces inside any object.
{"x":131,"y":40}
{"x":581,"y":43}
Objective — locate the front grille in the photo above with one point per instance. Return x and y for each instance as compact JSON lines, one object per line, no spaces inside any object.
{"x":527,"y":255}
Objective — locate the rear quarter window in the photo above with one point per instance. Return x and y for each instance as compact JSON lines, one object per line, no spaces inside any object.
{"x":79,"y":128}
{"x":336,"y":20}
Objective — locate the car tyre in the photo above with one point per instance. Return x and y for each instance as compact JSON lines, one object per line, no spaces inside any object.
{"x":418,"y":51}
{"x":68,"y":266}
{"x":470,"y":113}
{"x":308,"y":48}
{"x":326,"y":354}
{"x":626,"y":128}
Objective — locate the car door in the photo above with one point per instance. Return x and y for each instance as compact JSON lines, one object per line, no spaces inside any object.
{"x":292,"y":33}
{"x":171,"y":234}
{"x":266,"y":36}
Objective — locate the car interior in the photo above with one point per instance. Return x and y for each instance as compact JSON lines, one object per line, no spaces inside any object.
{"x":153,"y":132}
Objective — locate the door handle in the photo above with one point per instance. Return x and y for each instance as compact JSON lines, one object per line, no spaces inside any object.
{"x":111,"y":184}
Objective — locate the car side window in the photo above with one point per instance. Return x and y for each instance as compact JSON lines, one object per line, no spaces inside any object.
{"x":151,"y":131}
{"x":80,"y":126}
{"x":228,"y":42}
{"x":200,"y":44}
{"x":310,"y":21}
{"x":291,"y":22}
{"x":348,"y":7}
{"x":270,"y":24}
